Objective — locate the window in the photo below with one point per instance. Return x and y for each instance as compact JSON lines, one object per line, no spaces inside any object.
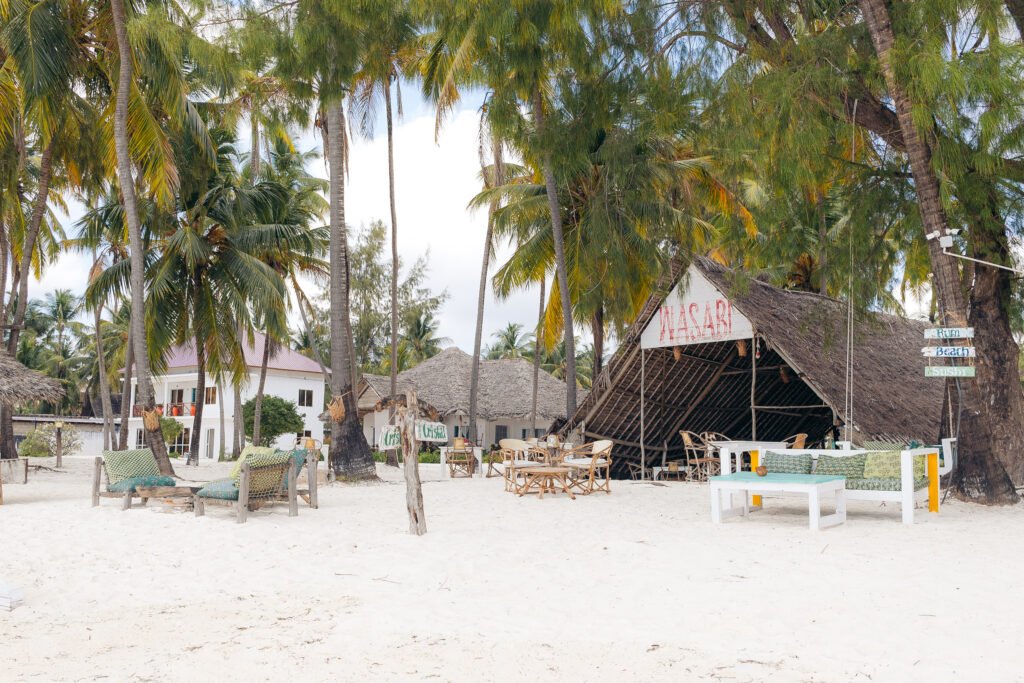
{"x":211,"y":396}
{"x":455,"y":431}
{"x":500,"y":432}
{"x":177,"y":395}
{"x":538,"y":433}
{"x":304,"y":435}
{"x":140,"y":439}
{"x":305,"y":398}
{"x":525,"y":432}
{"x":181,"y":442}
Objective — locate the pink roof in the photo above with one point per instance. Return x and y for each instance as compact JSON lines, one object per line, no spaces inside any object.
{"x":285,"y":359}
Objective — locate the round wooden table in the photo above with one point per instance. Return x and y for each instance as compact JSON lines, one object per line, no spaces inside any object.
{"x":546,"y":479}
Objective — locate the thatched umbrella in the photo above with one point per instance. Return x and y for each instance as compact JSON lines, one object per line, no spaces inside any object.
{"x":18,"y":384}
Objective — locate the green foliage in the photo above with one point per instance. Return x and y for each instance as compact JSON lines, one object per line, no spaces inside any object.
{"x":170,"y":428}
{"x":277,"y":417}
{"x":41,"y":442}
{"x":427,"y":457}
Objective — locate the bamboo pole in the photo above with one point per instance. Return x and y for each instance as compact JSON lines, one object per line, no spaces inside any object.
{"x":643,"y":450}
{"x":753,"y":388}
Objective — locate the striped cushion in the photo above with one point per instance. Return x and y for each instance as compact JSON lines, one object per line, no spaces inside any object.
{"x":886,"y":465}
{"x":787,"y":463}
{"x":123,"y":465}
{"x":133,"y":483}
{"x":255,"y":455}
{"x":883,"y":484}
{"x":851,"y":466}
{"x":222,"y":489}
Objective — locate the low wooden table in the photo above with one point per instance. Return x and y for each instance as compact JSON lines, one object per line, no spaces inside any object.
{"x":813,"y":485}
{"x":544,"y":478}
{"x":168,"y":493}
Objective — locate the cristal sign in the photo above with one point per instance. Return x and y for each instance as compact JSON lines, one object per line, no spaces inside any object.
{"x":390,"y":439}
{"x":431,"y":431}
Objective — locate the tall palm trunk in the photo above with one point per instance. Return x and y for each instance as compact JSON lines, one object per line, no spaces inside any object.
{"x":7,"y":447}
{"x":536,"y":358}
{"x":237,"y":423}
{"x":101,"y":364}
{"x":126,"y":392}
{"x":220,"y":408}
{"x":979,"y":476}
{"x":200,"y":402}
{"x":4,"y":255}
{"x":255,"y":165}
{"x":257,"y":413}
{"x":312,"y":342}
{"x":392,"y":456}
{"x":349,"y":455}
{"x":563,"y":280}
{"x":154,"y":438}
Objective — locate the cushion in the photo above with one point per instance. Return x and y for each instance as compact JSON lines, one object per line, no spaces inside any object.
{"x":133,"y":483}
{"x":886,"y":465}
{"x":256,"y":457}
{"x":224,"y":489}
{"x":584,"y":462}
{"x":851,"y":467}
{"x":787,"y":463}
{"x":883,"y":484}
{"x":121,"y":465}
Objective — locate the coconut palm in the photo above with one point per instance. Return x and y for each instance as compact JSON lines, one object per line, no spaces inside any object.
{"x":510,"y":342}
{"x":420,"y":338}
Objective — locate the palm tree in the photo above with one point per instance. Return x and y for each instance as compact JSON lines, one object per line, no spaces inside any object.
{"x":387,"y":54}
{"x":420,"y":338}
{"x":510,"y":343}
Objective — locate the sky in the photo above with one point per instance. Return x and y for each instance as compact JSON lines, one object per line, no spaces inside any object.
{"x":434,"y":183}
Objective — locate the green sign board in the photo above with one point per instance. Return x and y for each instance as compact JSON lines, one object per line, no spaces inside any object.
{"x":391,"y":436}
{"x":949,"y":371}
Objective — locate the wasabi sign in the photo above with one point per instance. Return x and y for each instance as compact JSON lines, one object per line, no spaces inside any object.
{"x":391,"y":436}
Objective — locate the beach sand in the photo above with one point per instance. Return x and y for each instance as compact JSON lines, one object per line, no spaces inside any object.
{"x":638,"y":585}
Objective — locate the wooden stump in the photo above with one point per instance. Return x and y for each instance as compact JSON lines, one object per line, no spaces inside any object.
{"x":413,"y":488}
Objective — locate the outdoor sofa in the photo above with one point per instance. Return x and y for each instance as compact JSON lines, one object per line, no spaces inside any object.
{"x":123,"y":472}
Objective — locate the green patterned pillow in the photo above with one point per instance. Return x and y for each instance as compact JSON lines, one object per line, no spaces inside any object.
{"x":787,"y":463}
{"x":886,"y":465}
{"x":248,"y":452}
{"x":850,"y":466}
{"x":883,"y":484}
{"x":223,"y":489}
{"x":123,"y":465}
{"x":133,"y":483}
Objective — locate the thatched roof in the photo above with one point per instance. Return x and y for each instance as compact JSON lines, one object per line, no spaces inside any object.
{"x":506,"y":387}
{"x":801,"y":378}
{"x":18,"y":384}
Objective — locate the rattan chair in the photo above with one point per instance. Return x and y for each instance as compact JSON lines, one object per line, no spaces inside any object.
{"x":591,"y":467}
{"x":516,"y":457}
{"x":460,"y":459}
{"x":697,"y":462}
{"x":796,"y":441}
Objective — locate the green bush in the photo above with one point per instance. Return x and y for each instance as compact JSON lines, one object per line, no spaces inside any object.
{"x":41,"y":442}
{"x":170,"y":428}
{"x":426,"y":457}
{"x":277,"y":417}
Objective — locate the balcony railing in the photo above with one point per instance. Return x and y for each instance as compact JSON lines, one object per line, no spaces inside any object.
{"x":170,"y":410}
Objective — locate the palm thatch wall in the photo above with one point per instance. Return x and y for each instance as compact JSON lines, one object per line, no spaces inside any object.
{"x":506,"y":388}
{"x":801,"y":376}
{"x":18,"y":384}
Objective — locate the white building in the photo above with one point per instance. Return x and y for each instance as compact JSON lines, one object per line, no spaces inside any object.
{"x":504,"y":404}
{"x":290,"y":376}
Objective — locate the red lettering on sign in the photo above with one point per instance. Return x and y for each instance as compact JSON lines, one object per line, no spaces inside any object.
{"x":695,"y":333}
{"x":721,"y":322}
{"x":665,"y":318}
{"x":709,"y":321}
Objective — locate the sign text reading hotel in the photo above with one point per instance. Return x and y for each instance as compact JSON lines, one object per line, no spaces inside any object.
{"x":696,"y":322}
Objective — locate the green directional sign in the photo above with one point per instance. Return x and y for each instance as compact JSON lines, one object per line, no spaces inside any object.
{"x":390,"y":439}
{"x":949,"y":371}
{"x":431,"y":431}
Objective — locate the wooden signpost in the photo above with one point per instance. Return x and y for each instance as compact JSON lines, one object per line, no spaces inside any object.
{"x":954,"y":353}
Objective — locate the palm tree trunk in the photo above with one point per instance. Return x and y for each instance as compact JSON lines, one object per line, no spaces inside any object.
{"x":255,"y":165}
{"x":200,"y":403}
{"x":258,"y":408}
{"x":563,"y":279}
{"x":4,"y":255}
{"x":101,"y":363}
{"x":154,"y":438}
{"x":349,"y":455}
{"x":597,"y":329}
{"x":822,"y":246}
{"x":536,"y":357}
{"x":238,"y":424}
{"x":312,"y":342}
{"x":126,"y":392}
{"x":980,"y":475}
{"x":220,"y":408}
{"x":392,"y":456}
{"x":474,"y":376}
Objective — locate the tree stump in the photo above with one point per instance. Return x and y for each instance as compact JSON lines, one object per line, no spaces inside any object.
{"x":410,"y":453}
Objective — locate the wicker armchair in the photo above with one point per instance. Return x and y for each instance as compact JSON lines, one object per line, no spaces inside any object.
{"x":591,"y":466}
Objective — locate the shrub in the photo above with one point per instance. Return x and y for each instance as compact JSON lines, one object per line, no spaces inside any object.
{"x":277,"y":417}
{"x":170,"y":428}
{"x":41,"y":442}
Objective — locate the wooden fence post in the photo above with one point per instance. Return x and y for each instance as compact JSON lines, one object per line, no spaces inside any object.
{"x":410,"y":454}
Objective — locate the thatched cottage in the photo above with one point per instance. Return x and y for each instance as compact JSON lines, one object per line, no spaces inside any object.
{"x":714,"y":351}
{"x":505,"y":396}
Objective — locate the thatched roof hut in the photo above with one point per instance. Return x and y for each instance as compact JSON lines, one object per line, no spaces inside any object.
{"x":18,"y":384}
{"x":698,"y":363}
{"x":506,"y":388}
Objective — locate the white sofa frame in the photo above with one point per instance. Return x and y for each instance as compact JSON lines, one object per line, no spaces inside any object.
{"x":907,"y":497}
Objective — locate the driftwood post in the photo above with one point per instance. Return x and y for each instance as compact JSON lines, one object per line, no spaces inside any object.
{"x":410,"y":454}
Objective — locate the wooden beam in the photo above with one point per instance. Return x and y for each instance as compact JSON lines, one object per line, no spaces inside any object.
{"x":631,"y":444}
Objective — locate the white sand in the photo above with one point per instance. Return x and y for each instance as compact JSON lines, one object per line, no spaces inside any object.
{"x":638,"y":585}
